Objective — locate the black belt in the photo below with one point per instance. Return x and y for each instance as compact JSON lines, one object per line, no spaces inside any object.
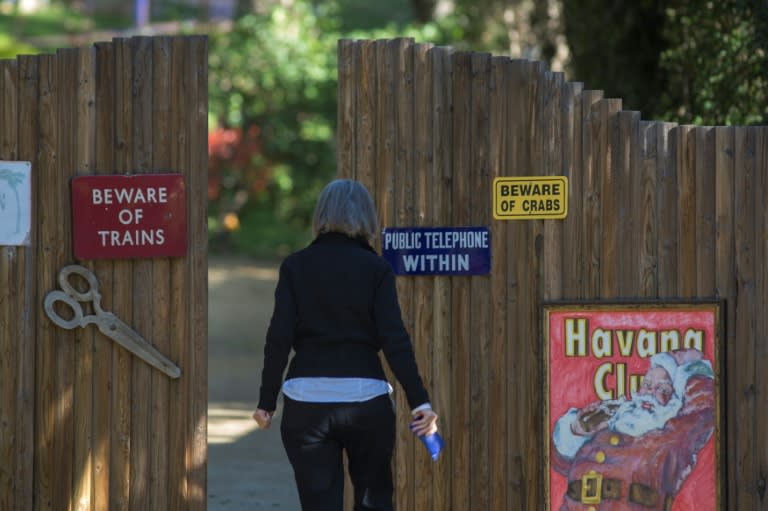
{"x":592,"y":488}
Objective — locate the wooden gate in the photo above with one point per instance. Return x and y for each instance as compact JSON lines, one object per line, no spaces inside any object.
{"x":656,"y":211}
{"x":84,"y":424}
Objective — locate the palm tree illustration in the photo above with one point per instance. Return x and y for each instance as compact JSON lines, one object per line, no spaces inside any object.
{"x":14,"y":179}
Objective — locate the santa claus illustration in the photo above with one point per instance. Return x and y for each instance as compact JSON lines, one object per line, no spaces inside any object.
{"x":635,"y":454}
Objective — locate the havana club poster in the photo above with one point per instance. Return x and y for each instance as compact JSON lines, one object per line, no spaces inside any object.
{"x":632,"y":408}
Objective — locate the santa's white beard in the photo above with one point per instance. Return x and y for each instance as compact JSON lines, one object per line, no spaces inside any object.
{"x":632,"y":419}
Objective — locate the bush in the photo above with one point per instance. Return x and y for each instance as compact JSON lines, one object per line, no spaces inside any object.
{"x":273,"y":90}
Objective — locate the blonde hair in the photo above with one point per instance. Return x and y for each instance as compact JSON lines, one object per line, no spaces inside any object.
{"x":345,"y":206}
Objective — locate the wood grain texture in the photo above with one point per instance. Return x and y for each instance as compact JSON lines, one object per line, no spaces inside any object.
{"x":84,"y":390}
{"x":761,"y":324}
{"x":366,"y":145}
{"x":657,"y":211}
{"x":24,"y":77}
{"x":686,"y":211}
{"x":531,"y":283}
{"x":480,"y":305}
{"x":666,"y":191}
{"x":348,"y":58}
{"x":704,"y":138}
{"x":11,"y":352}
{"x":64,"y":340}
{"x":572,"y":167}
{"x":423,"y":288}
{"x":141,"y":274}
{"x":45,"y":414}
{"x":122,"y":300}
{"x":103,"y":349}
{"x":549,"y":162}
{"x":180,"y":330}
{"x":403,"y":151}
{"x":740,"y":143}
{"x":461,"y":379}
{"x":514,"y":231}
{"x":91,"y":428}
{"x":611,"y":185}
{"x":645,"y":179}
{"x":629,"y":227}
{"x":725,"y":281}
{"x":160,"y":161}
{"x":196,"y":71}
{"x":498,"y":161}
{"x":441,"y":201}
{"x":591,"y":193}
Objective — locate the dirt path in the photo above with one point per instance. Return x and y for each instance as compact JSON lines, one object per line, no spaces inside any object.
{"x":247,"y":468}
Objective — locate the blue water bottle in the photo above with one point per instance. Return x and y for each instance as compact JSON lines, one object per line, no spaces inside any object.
{"x":434,"y":444}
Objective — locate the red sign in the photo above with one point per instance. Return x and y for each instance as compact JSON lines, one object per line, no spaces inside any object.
{"x":632,"y":406}
{"x":129,"y":216}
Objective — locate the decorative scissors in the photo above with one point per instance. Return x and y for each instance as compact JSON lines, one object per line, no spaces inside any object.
{"x":109,"y":324}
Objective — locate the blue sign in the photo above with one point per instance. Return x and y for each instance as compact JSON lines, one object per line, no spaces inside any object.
{"x":437,"y":251}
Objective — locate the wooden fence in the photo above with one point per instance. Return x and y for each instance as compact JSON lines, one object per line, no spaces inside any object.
{"x":84,"y":424}
{"x":656,"y":211}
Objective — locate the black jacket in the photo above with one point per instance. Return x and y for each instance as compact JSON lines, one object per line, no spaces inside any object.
{"x":336,"y":307}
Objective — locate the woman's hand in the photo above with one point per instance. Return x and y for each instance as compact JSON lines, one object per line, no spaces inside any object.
{"x":263,"y":418}
{"x":424,"y":422}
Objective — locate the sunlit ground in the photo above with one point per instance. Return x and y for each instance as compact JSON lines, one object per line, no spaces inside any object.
{"x":248,"y":469}
{"x":240,"y":299}
{"x":218,"y":276}
{"x":227,"y":422}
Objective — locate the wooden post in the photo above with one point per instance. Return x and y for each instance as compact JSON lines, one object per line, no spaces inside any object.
{"x":91,"y":427}
{"x":656,"y":211}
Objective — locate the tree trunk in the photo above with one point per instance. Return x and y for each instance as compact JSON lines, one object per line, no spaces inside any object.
{"x":423,"y":9}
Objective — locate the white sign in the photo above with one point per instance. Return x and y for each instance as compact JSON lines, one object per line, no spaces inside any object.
{"x":15,"y":202}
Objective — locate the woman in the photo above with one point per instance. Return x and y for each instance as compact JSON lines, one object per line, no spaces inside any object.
{"x":336,"y":307}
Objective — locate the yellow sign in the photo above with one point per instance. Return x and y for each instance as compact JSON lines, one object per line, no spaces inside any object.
{"x":528,"y":198}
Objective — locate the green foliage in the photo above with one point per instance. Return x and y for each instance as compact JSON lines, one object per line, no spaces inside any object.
{"x":615,"y":47}
{"x":273,"y":84}
{"x":174,"y":10}
{"x":689,"y":61}
{"x":352,"y":15}
{"x":56,"y":19}
{"x":478,"y":25}
{"x":273,"y":237}
{"x":717,"y":62}
{"x":275,"y":74}
{"x":45,"y":30}
{"x":11,"y":47}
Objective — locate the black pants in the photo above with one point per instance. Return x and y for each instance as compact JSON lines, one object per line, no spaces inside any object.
{"x":314,"y":436}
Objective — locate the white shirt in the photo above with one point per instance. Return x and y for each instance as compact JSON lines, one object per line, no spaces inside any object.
{"x":339,"y":390}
